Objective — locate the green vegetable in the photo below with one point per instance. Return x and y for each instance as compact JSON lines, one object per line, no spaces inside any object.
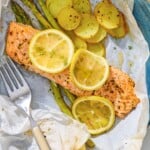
{"x":59,"y":99}
{"x":69,"y":95}
{"x":14,"y":9}
{"x":20,"y":14}
{"x":38,"y":15}
{"x":48,"y":15}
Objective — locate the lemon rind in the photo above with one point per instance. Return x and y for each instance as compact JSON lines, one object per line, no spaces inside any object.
{"x":43,"y":68}
{"x":104,"y":101}
{"x":81,"y":86}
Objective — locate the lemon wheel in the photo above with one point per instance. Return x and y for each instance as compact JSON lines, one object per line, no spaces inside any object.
{"x":51,"y":51}
{"x":96,"y":112}
{"x":88,"y":71}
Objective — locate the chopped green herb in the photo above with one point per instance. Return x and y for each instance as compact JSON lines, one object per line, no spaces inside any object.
{"x":130,"y":47}
{"x":130,"y":64}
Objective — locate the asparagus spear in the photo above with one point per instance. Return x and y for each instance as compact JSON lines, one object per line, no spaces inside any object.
{"x":23,"y":14}
{"x":16,"y":12}
{"x":59,"y":99}
{"x":70,"y":96}
{"x":38,"y":15}
{"x":48,"y":15}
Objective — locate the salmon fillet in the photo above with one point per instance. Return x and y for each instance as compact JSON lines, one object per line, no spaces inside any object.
{"x":119,"y":88}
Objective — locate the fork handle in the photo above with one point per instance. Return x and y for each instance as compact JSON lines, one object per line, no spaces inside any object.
{"x":40,"y":138}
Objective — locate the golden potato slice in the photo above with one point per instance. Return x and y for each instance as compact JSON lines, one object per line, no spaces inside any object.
{"x":48,"y":2}
{"x":55,"y":6}
{"x":122,"y":30}
{"x":88,"y":26}
{"x":98,"y":48}
{"x":82,"y":6}
{"x":77,"y":41}
{"x":68,"y":18}
{"x":99,"y":36}
{"x":107,"y":15}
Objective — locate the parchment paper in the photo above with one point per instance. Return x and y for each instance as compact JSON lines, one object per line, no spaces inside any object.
{"x":129,"y":54}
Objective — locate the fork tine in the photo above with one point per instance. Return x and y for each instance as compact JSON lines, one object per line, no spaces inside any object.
{"x":17,"y":71}
{"x":12,"y":73}
{"x":9,"y":89}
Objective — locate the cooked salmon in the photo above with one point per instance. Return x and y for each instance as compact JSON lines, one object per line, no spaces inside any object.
{"x":119,"y":88}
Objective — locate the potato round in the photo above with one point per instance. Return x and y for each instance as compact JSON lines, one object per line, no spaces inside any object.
{"x":55,"y":6}
{"x":82,"y":6}
{"x":121,"y":31}
{"x":107,"y":15}
{"x":88,"y":26}
{"x":100,"y":35}
{"x":68,"y":18}
{"x":98,"y":49}
{"x":48,"y":2}
{"x":79,"y":43}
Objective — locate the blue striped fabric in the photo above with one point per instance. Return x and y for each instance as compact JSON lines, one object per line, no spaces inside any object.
{"x":141,"y":13}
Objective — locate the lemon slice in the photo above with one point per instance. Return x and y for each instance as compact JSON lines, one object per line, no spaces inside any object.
{"x":88,"y":71}
{"x":51,"y":51}
{"x":96,"y":112}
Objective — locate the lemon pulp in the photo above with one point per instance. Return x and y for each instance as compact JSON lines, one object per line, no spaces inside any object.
{"x":51,"y":51}
{"x":96,"y":112}
{"x":88,"y":71}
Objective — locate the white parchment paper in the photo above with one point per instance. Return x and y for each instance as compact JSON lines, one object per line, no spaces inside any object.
{"x":129,"y":54}
{"x":61,"y":131}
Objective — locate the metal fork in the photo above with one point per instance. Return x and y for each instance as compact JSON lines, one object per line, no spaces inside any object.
{"x":20,"y":93}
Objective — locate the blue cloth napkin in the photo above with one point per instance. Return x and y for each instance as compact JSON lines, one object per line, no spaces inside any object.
{"x":141,"y":13}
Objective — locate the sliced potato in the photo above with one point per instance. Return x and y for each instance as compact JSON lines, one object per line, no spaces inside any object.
{"x":107,"y":15}
{"x":55,"y":6}
{"x":100,"y":35}
{"x":77,"y":41}
{"x":88,"y":26}
{"x":98,"y":48}
{"x":68,"y":18}
{"x":82,"y":6}
{"x":48,"y":2}
{"x":122,"y":30}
